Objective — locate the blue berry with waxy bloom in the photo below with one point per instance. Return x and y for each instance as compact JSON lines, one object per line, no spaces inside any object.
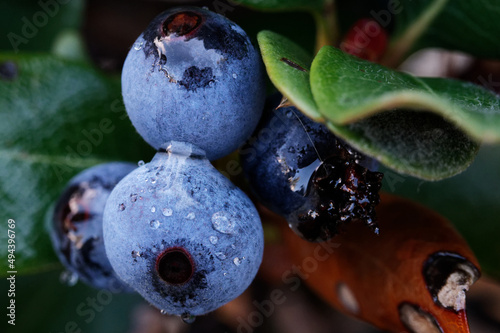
{"x":194,"y":76}
{"x":302,"y":171}
{"x":181,"y":234}
{"x":76,"y":225}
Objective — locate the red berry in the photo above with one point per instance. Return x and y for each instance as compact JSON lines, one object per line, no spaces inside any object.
{"x":366,"y":39}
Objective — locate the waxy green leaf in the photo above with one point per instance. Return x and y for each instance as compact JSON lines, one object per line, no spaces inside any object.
{"x":347,"y":89}
{"x":287,"y":65}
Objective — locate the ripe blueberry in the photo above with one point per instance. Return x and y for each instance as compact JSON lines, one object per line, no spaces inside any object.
{"x":76,"y":224}
{"x":181,"y":234}
{"x":301,"y":171}
{"x":193,"y":76}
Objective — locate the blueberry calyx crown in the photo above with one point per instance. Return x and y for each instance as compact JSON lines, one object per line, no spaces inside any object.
{"x":175,"y":266}
{"x":180,"y":24}
{"x":345,"y":191}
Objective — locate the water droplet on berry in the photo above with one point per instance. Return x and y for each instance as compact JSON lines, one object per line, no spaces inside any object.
{"x":121,"y":207}
{"x":222,"y":223}
{"x":220,"y":255}
{"x":133,"y":197}
{"x":155,"y":224}
{"x":190,"y":216}
{"x":237,"y":261}
{"x":153,"y":209}
{"x":235,"y":75}
{"x":138,"y":46}
{"x":213,"y":239}
{"x":167,"y":212}
{"x":188,"y":318}
{"x":153,"y":180}
{"x":163,"y":312}
{"x":140,"y":163}
{"x":68,"y":278}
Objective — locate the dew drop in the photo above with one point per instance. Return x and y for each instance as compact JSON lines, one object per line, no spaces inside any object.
{"x":133,"y":197}
{"x":213,"y":239}
{"x":153,"y":180}
{"x":153,"y":209}
{"x":140,"y":163}
{"x":155,"y":224}
{"x":222,"y":223}
{"x":190,"y":216}
{"x":235,"y":75}
{"x":138,"y":46}
{"x":163,"y":312}
{"x":121,"y":207}
{"x":167,"y":212}
{"x":188,"y":318}
{"x":220,"y":255}
{"x":68,"y":278}
{"x":237,"y":261}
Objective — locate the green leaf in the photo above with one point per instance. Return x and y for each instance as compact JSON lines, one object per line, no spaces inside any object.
{"x":347,"y":89}
{"x":58,"y":118}
{"x":469,"y":200}
{"x":287,"y":65}
{"x":315,"y":5}
{"x":434,"y":23}
{"x":28,"y":25}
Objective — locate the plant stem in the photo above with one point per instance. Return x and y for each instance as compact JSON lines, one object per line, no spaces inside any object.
{"x":327,"y":31}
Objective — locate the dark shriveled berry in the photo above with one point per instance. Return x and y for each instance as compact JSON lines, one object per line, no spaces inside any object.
{"x":344,"y":191}
{"x":302,"y":171}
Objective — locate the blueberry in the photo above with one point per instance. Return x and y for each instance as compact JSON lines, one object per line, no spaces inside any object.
{"x":193,"y":76}
{"x":76,"y":225}
{"x":187,"y":240}
{"x":300,"y":170}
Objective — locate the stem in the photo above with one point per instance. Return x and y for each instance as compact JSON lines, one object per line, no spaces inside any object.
{"x":327,"y":31}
